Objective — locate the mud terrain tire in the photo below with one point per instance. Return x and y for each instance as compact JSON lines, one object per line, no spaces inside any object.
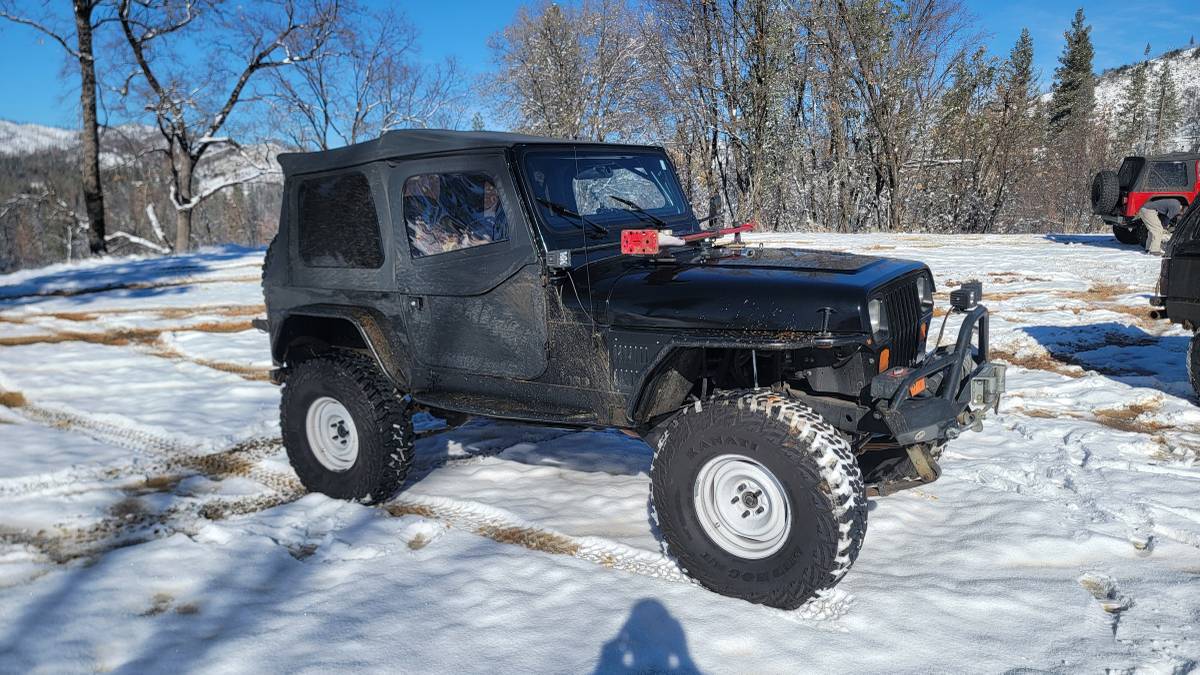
{"x":1125,"y":235}
{"x":800,"y":454}
{"x":1193,"y":362}
{"x":1106,"y":191}
{"x":369,"y":411}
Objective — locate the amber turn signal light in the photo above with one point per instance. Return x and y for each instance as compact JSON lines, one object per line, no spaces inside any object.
{"x":917,"y":387}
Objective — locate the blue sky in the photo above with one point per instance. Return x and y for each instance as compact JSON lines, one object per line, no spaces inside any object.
{"x":36,"y":86}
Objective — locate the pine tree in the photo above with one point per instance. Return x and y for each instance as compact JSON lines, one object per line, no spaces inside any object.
{"x":1132,"y":119}
{"x":1074,"y":96}
{"x":1167,"y":110}
{"x":477,"y":122}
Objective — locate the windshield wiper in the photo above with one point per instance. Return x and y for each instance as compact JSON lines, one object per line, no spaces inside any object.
{"x":564,"y":211}
{"x":635,"y":209}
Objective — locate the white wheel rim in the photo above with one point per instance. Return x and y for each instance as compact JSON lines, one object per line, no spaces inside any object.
{"x":742,"y":506}
{"x":331,"y":434}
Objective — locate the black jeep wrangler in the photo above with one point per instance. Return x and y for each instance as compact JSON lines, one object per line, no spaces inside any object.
{"x":570,"y":284}
{"x":1177,"y":297}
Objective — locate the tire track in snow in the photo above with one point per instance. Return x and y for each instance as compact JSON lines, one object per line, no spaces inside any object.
{"x":503,"y":527}
{"x":62,"y":544}
{"x":176,"y":455}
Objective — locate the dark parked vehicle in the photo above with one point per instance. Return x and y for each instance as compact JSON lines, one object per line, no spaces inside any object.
{"x":1178,"y":294}
{"x":1117,"y":196}
{"x":570,"y":284}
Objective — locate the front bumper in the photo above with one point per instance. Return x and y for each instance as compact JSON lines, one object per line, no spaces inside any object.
{"x":949,"y":392}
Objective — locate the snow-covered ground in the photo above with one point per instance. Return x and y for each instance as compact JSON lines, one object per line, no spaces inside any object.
{"x":149,"y":519}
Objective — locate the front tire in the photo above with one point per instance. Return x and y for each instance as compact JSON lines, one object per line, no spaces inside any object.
{"x":347,"y":431}
{"x":758,"y":497}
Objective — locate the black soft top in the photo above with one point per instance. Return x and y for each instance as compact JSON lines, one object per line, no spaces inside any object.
{"x":410,"y":143}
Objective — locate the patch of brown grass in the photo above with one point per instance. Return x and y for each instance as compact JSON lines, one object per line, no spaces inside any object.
{"x":1042,"y":361}
{"x":13,"y":399}
{"x":1012,"y":277}
{"x":221,"y":510}
{"x":1125,"y":418}
{"x":1097,"y":293}
{"x":219,"y":327}
{"x":530,"y":538}
{"x":119,"y":338}
{"x":74,"y":316}
{"x":398,"y":510}
{"x":208,"y":310}
{"x":418,"y":542}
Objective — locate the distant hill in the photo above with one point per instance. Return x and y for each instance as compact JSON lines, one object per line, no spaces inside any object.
{"x":1185,"y":71}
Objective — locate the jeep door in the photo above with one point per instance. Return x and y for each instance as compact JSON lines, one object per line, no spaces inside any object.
{"x":468,"y":270}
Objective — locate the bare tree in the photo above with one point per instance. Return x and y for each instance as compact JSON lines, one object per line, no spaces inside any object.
{"x":573,"y":72}
{"x":79,"y":48}
{"x":191,"y":103}
{"x":368,"y":79}
{"x":898,"y":59}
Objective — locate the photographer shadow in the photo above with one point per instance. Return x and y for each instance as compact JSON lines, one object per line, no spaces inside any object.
{"x":650,"y":641}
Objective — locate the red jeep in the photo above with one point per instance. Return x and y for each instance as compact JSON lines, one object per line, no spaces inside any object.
{"x":1143,"y":182}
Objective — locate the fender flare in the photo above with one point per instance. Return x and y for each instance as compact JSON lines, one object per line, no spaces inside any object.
{"x":368,"y":326}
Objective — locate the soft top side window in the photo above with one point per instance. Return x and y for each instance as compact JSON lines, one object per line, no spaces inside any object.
{"x":338,"y":224}
{"x":446,"y":212}
{"x":1166,"y":175}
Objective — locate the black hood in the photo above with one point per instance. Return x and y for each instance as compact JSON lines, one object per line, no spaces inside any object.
{"x":743,"y":288}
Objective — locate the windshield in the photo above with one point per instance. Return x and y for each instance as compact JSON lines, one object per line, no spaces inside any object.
{"x":610,"y":188}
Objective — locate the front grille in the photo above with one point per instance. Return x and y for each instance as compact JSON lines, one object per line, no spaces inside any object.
{"x":903,"y":305}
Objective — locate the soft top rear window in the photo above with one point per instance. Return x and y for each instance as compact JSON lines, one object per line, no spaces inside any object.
{"x":1167,"y":175}
{"x":338,"y":223}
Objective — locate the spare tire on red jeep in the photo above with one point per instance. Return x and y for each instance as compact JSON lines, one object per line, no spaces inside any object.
{"x":1106,"y":191}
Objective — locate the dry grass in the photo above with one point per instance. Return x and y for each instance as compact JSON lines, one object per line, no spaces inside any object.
{"x":1042,"y":361}
{"x":122,"y":337}
{"x":1121,"y":418}
{"x":209,"y":310}
{"x":1125,"y":418}
{"x":418,"y":542}
{"x":119,"y":337}
{"x":13,"y":399}
{"x":398,"y":510}
{"x":530,"y":538}
{"x":74,"y":316}
{"x":217,"y":327}
{"x":1014,"y":277}
{"x":1098,"y":293}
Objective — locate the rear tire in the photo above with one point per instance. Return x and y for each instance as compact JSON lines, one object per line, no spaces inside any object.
{"x":347,"y":431}
{"x":758,"y":498}
{"x":1106,"y":192}
{"x":1125,"y":235}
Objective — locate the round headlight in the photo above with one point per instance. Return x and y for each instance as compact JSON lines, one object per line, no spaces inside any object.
{"x":878,"y":316}
{"x":925,"y":291}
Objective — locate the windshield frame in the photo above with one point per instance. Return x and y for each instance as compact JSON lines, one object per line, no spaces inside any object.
{"x":574,"y":238}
